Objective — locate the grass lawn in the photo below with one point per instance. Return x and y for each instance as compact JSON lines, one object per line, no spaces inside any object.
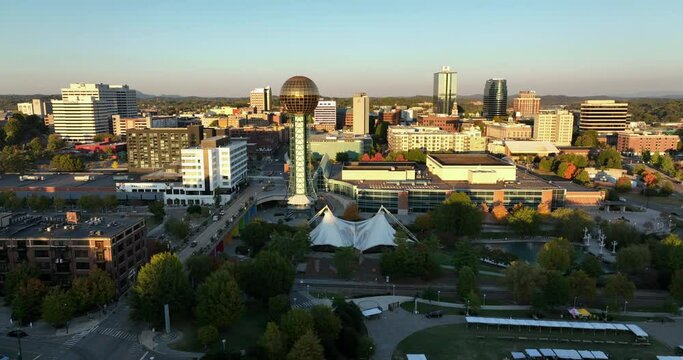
{"x":242,"y":335}
{"x":459,"y":342}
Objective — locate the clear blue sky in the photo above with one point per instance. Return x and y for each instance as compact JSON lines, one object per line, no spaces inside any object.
{"x":225,"y":48}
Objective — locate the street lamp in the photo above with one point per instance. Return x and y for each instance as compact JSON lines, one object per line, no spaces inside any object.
{"x":484,"y":300}
{"x":18,"y":334}
{"x":625,"y":303}
{"x":467,"y":310}
{"x":438,"y":296}
{"x":223,"y":341}
{"x":393,"y":289}
{"x":575,"y":301}
{"x":614,"y":246}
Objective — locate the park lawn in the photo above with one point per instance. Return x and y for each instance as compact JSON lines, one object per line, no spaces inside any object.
{"x":242,"y":335}
{"x":458,"y":342}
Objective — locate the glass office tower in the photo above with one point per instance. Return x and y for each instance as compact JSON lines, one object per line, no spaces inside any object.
{"x":445,"y":89}
{"x":495,"y":98}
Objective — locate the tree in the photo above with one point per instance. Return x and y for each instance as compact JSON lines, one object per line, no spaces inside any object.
{"x":294,"y":324}
{"x":307,"y":347}
{"x":457,"y":216}
{"x":365,"y":157}
{"x":57,"y":308}
{"x":609,"y":158}
{"x":649,"y":178}
{"x":633,"y":258}
{"x":27,"y":300}
{"x":35,"y":147}
{"x":556,"y":288}
{"x":588,"y":139}
{"x":666,"y":188}
{"x":409,"y":260}
{"x":110,"y":202}
{"x":622,"y":232}
{"x":591,"y":266}
{"x":194,"y":210}
{"x":161,"y":281}
{"x":256,"y":234}
{"x":623,"y":184}
{"x":326,"y":324}
{"x":345,"y":261}
{"x":219,"y":302}
{"x":351,"y":212}
{"x":278,"y":305}
{"x":199,"y":267}
{"x":13,"y":131}
{"x":177,"y":228}
{"x":38,"y":202}
{"x":546,"y":164}
{"x":669,"y":253}
{"x":267,"y":275}
{"x":272,"y":342}
{"x":582,"y":177}
{"x":90,"y":202}
{"x":157,"y":209}
{"x":676,"y":286}
{"x":67,"y":162}
{"x":474,"y":302}
{"x":619,"y":288}
{"x":342,"y":157}
{"x":666,"y":165}
{"x":17,"y":277}
{"x":207,"y":334}
{"x":647,"y":156}
{"x":105,"y":136}
{"x":467,"y":281}
{"x":96,"y":289}
{"x":292,"y":247}
{"x":55,"y":143}
{"x":525,"y":221}
{"x":522,"y":280}
{"x":464,"y":254}
{"x":556,"y":255}
{"x":581,"y":285}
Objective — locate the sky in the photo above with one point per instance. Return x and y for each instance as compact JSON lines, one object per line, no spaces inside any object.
{"x":385,"y":48}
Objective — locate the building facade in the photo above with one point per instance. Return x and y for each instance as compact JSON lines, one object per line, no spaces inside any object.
{"x":495,"y":98}
{"x":78,"y":118}
{"x":123,"y":99}
{"x":445,"y":91}
{"x":153,"y":149}
{"x":38,"y":107}
{"x":652,"y":142}
{"x":433,"y":139}
{"x":443,"y":122}
{"x":325,"y":115}
{"x":65,"y":248}
{"x":603,"y":116}
{"x":260,"y":99}
{"x":121,"y":125}
{"x":527,"y":104}
{"x":361,"y":113}
{"x":217,"y":163}
{"x":508,"y":131}
{"x":332,"y":144}
{"x":555,"y":126}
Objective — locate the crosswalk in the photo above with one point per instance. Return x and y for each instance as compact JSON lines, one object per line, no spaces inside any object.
{"x":304,"y":304}
{"x":119,"y":334}
{"x":77,"y":337}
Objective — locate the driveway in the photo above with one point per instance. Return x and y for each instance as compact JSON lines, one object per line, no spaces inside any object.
{"x":394,"y":326}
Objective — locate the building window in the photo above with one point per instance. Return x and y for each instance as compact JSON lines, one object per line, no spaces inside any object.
{"x":81,"y":253}
{"x":82,"y":266}
{"x":41,"y":253}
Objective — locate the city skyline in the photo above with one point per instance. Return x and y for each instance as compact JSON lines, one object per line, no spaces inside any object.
{"x":582,"y":48}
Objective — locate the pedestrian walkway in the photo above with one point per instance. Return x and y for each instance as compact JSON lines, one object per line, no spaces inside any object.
{"x":118,"y":333}
{"x":74,"y":339}
{"x":159,"y":343}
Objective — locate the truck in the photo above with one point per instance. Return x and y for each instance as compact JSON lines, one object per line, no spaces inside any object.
{"x":84,"y":178}
{"x":31,"y":177}
{"x":119,"y":177}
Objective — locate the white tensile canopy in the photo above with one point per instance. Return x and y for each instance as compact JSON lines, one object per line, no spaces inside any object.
{"x":362,"y":235}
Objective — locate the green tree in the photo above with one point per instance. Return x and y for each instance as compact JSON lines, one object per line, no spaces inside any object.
{"x":522,"y":280}
{"x":90,"y":202}
{"x":624,"y":233}
{"x":669,"y":253}
{"x":58,"y":203}
{"x":161,"y":281}
{"x":556,"y":255}
{"x":13,"y":131}
{"x":556,"y":288}
{"x":38,"y":202}
{"x":591,"y":266}
{"x":619,"y":288}
{"x":409,"y":259}
{"x":110,"y":202}
{"x":464,"y":254}
{"x":272,"y":342}
{"x":35,"y":147}
{"x":157,"y":210}
{"x":581,"y":285}
{"x":177,"y":228}
{"x":27,"y":300}
{"x":474,"y":302}
{"x":623,"y":184}
{"x":199,"y":267}
{"x":457,"y":217}
{"x":307,"y":347}
{"x":207,"y":334}
{"x":67,"y":162}
{"x":546,"y":164}
{"x":293,"y":248}
{"x":267,"y":275}
{"x":467,"y":281}
{"x":588,"y":138}
{"x":278,"y":305}
{"x":219,"y":302}
{"x":326,"y":324}
{"x":342,"y":157}
{"x":96,"y":289}
{"x":57,"y":308}
{"x":17,"y":277}
{"x":646,"y":156}
{"x":256,"y":234}
{"x":55,"y":143}
{"x":633,"y":258}
{"x":525,"y":221}
{"x":345,"y":261}
{"x":676,"y":286}
{"x":582,"y":177}
{"x":103,"y":137}
{"x":294,"y":324}
{"x":609,"y":158}
{"x":666,"y":165}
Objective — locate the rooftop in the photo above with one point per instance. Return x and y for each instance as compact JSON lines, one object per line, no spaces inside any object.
{"x":380,"y":165}
{"x":468,"y":159}
{"x":530,"y":146}
{"x":35,"y":226}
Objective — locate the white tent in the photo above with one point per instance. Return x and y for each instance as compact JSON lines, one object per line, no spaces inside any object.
{"x":362,"y":235}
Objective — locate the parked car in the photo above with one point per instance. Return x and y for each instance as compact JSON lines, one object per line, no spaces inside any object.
{"x":434,"y":314}
{"x":193,"y":244}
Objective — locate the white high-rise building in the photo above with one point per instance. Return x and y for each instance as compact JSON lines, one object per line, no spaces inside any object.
{"x":80,"y":118}
{"x":555,"y":126}
{"x":361,"y":113}
{"x":325,"y":114}
{"x":25,"y":108}
{"x":260,"y":99}
{"x":122,"y":97}
{"x":216,"y":163}
{"x":38,"y":107}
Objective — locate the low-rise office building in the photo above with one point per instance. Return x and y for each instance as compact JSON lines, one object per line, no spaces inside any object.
{"x":521,"y":149}
{"x":121,"y":125}
{"x":382,"y":171}
{"x":652,"y":142}
{"x":63,"y":248}
{"x":151,"y":149}
{"x":340,"y":142}
{"x":433,"y":139}
{"x":508,"y":131}
{"x":261,"y":141}
{"x":473,"y":168}
{"x":556,"y":126}
{"x":443,"y":122}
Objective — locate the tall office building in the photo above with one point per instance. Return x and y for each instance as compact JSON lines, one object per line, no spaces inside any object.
{"x":299,"y":95}
{"x":38,"y":107}
{"x":603,"y":116}
{"x":361,"y":113}
{"x":495,"y":98}
{"x":153,"y":149}
{"x":445,"y":91}
{"x":325,"y":115}
{"x":123,"y":99}
{"x":555,"y":126}
{"x":260,"y":99}
{"x":80,"y":118}
{"x":527,"y":104}
{"x":217,"y":163}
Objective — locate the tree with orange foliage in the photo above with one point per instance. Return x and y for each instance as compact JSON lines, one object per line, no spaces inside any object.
{"x":377,"y":157}
{"x":650,"y":178}
{"x":543,"y":208}
{"x":351,"y":213}
{"x":623,"y":184}
{"x":499,"y":212}
{"x":400,"y":157}
{"x":365,"y":157}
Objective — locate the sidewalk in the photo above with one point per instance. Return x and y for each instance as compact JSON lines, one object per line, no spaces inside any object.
{"x":41,"y":328}
{"x":158,"y":342}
